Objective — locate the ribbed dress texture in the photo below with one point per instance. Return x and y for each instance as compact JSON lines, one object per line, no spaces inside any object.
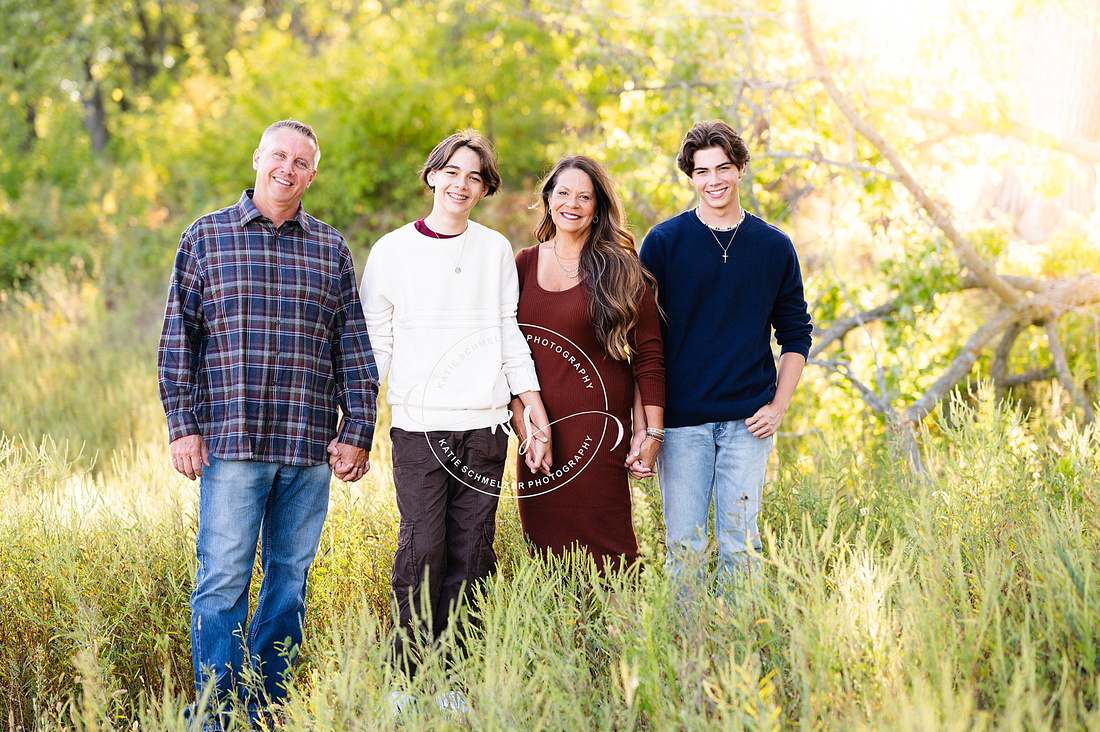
{"x":586,"y":500}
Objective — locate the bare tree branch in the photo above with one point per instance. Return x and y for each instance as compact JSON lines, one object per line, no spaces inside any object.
{"x":1047,"y":302}
{"x":965,"y":251}
{"x":1084,"y":150}
{"x":817,"y":158}
{"x":1027,"y":377}
{"x":971,"y":281}
{"x":878,"y":404}
{"x":960,"y":366}
{"x":841,"y":327}
{"x":881,"y":404}
{"x":1061,"y":367}
{"x":1060,"y":296}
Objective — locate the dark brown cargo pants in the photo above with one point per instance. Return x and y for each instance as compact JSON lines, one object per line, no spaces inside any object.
{"x":448,"y":485}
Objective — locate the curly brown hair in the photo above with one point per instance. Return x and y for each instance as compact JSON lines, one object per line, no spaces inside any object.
{"x":711,"y":133}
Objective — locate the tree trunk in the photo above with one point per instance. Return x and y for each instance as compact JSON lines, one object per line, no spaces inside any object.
{"x":30,"y":119}
{"x":95,"y":114}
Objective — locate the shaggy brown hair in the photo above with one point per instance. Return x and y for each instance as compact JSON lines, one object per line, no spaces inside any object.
{"x":476,"y":142}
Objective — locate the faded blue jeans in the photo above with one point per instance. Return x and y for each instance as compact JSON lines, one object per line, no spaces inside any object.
{"x":720,"y":463}
{"x":240,"y":502}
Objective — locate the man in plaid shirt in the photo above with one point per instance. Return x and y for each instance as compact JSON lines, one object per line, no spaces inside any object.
{"x":263,"y":338}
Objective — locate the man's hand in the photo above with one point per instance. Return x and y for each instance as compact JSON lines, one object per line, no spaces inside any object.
{"x":515,"y":408}
{"x":189,"y":455}
{"x":348,"y":463}
{"x":642,"y":456}
{"x":766,"y":420}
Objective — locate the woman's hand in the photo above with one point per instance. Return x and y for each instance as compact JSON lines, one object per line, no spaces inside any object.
{"x":641,"y":460}
{"x":540,"y":451}
{"x":532,"y":427}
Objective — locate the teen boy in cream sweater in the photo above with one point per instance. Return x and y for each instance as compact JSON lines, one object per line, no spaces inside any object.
{"x":440,"y":298}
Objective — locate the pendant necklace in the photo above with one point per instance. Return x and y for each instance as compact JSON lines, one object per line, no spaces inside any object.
{"x":462,"y":249}
{"x":570,"y":272}
{"x":735,"y":228}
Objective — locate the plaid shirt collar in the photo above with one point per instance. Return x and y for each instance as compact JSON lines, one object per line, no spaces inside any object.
{"x":247,"y":212}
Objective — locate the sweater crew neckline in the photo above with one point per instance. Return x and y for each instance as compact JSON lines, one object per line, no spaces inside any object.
{"x":422,"y":227}
{"x":702,"y":226}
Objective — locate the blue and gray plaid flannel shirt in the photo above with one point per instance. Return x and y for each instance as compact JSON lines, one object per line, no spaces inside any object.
{"x":263,"y":337}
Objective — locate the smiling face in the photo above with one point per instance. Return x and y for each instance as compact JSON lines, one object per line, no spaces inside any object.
{"x":572,"y":202}
{"x":716,"y":180}
{"x":284,"y":165}
{"x":458,"y":185}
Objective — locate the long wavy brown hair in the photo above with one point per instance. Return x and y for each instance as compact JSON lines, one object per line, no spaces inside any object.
{"x":610,"y":268}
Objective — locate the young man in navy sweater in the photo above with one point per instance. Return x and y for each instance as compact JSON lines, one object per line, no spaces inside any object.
{"x":726,"y":280}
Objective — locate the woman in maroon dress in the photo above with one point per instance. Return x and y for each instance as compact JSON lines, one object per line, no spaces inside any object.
{"x":588,"y":311}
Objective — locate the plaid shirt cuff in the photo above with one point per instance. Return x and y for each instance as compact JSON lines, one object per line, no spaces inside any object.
{"x":357,"y":434}
{"x":182,"y":424}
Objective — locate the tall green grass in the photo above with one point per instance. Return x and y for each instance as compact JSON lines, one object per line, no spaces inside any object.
{"x":967,"y":600}
{"x":75,"y":365}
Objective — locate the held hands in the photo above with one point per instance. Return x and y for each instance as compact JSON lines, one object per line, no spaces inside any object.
{"x":642,"y":456}
{"x":537,"y":452}
{"x":348,"y":463}
{"x":518,"y":422}
{"x":189,"y":455}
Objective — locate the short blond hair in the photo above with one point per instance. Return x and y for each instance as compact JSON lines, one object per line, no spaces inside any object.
{"x":301,"y":128}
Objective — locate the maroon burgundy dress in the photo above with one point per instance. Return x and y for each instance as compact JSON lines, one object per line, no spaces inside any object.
{"x":588,"y":395}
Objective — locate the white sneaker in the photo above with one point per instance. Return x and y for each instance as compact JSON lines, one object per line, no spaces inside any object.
{"x":400,"y":704}
{"x":453,"y":705}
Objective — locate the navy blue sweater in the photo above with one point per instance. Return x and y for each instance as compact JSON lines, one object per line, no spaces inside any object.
{"x":719,"y":365}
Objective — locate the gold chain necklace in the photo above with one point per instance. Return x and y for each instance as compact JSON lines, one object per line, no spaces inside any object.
{"x":570,"y":272}
{"x":710,"y":228}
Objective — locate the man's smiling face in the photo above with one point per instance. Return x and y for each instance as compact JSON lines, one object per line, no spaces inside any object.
{"x":284,"y":166}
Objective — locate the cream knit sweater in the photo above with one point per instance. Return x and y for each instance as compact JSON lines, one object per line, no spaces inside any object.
{"x":449,"y":341}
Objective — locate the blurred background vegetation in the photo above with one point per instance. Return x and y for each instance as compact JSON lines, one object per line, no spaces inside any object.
{"x":123,"y":121}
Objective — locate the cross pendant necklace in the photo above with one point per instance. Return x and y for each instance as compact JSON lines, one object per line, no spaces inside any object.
{"x":725,"y":249}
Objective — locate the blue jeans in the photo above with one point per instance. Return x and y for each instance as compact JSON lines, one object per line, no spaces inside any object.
{"x":720,"y":462}
{"x":241,"y":501}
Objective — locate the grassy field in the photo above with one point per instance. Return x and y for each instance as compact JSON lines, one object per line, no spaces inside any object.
{"x":967,"y":600}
